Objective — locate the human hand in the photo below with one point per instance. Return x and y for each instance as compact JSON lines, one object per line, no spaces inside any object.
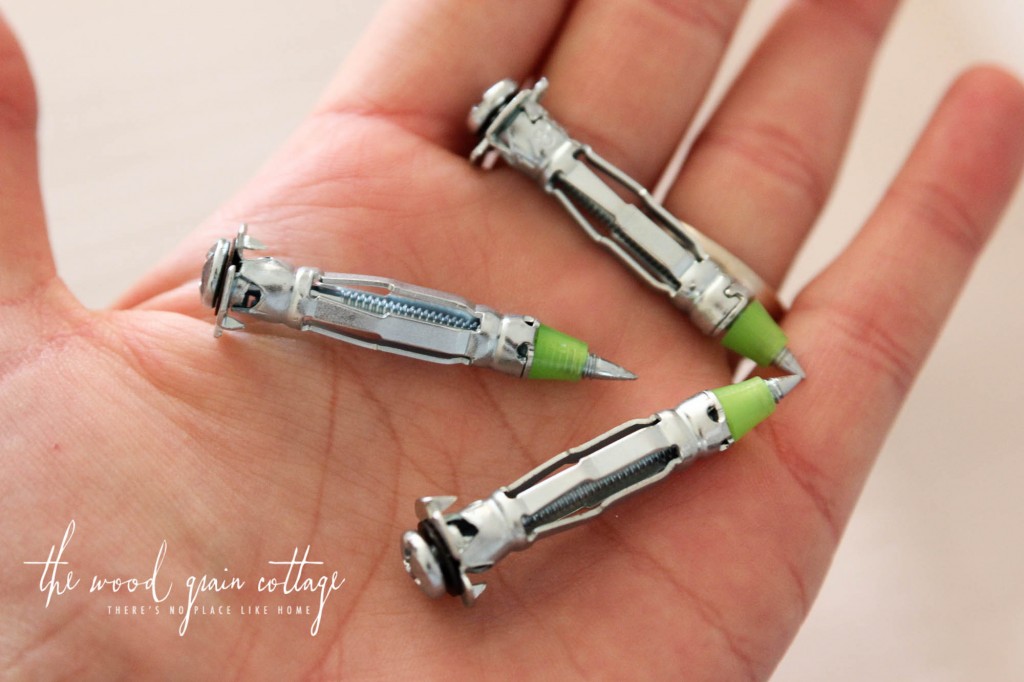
{"x":164,"y":433}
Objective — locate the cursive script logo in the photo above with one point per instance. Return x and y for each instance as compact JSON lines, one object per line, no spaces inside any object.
{"x":295,"y":576}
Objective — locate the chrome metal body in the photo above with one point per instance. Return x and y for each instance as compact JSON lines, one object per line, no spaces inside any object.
{"x":568,"y":489}
{"x":572,"y":487}
{"x":373,"y":312}
{"x":706,"y":281}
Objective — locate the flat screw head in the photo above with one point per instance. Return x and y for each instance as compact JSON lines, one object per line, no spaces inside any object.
{"x":421,"y":564}
{"x":495,"y":98}
{"x":210,"y":287}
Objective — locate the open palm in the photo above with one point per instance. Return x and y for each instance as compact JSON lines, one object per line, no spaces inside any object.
{"x":141,"y":427}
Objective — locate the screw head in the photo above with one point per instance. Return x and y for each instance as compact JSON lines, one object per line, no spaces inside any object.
{"x":495,"y":98}
{"x":214,"y":269}
{"x":421,"y":564}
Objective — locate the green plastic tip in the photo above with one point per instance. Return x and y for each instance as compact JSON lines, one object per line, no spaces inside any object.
{"x":745,"y":404}
{"x":557,"y":356}
{"x":755,"y":335}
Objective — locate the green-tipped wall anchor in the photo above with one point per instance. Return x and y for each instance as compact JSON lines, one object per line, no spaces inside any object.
{"x":577,"y":485}
{"x":717,"y":290}
{"x":388,"y":315}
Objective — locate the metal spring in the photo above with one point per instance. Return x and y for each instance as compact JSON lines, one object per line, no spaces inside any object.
{"x":415,"y":310}
{"x":602,"y":214}
{"x":594,"y":492}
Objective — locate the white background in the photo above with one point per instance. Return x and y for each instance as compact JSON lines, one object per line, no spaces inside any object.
{"x":154,"y":112}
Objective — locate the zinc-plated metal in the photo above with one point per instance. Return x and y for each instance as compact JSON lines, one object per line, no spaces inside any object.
{"x":702,"y":278}
{"x":567,"y":490}
{"x":372,"y":312}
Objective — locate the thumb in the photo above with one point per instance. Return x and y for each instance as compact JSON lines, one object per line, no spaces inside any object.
{"x":26,"y":261}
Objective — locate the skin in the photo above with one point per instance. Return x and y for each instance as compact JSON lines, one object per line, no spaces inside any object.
{"x":141,"y":427}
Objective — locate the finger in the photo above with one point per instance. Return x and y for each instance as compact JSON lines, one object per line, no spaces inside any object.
{"x":866,"y":324}
{"x":627,"y":76}
{"x":424,"y":63}
{"x":775,"y":144}
{"x":25,"y":256}
{"x":767,"y":518}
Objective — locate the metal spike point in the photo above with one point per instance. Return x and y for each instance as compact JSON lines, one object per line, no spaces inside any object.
{"x":597,"y":367}
{"x":781,"y":386}
{"x":252,"y":243}
{"x":426,"y":505}
{"x":471,"y":591}
{"x":231,"y":323}
{"x":787,"y":362}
